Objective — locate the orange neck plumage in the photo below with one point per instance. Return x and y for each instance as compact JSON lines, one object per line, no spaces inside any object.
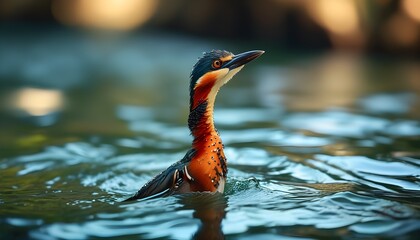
{"x":208,"y":166}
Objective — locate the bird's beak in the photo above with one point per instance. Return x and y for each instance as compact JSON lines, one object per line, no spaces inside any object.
{"x":242,"y":58}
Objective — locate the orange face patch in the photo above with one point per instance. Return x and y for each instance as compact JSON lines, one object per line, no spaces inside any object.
{"x":205,"y":84}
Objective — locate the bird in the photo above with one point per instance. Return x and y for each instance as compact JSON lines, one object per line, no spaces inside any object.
{"x":204,"y":166}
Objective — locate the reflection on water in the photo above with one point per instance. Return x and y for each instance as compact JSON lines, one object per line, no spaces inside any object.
{"x":210,"y":210}
{"x":346,"y":166}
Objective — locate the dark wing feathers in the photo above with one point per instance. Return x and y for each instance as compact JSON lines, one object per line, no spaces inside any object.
{"x":159,"y":186}
{"x":164,"y":183}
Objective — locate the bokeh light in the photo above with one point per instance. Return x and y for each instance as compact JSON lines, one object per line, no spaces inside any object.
{"x":36,"y":101}
{"x":341,"y":19}
{"x":412,"y":8}
{"x":104,"y":14}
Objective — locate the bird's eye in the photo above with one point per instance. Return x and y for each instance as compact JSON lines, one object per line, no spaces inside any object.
{"x":217,"y":64}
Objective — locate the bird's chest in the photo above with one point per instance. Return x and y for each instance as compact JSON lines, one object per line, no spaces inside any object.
{"x":208,"y":167}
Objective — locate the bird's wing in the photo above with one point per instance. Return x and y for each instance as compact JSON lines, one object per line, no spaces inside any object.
{"x":166,"y":182}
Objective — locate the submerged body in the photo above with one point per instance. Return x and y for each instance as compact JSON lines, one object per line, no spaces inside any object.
{"x":204,"y":167}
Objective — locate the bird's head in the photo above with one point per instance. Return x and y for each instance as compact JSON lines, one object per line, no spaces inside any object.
{"x":213,"y":70}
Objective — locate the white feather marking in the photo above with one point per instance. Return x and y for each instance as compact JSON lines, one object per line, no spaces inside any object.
{"x":221,"y":186}
{"x":187,"y":174}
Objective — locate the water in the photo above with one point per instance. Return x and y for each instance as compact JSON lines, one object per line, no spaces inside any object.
{"x":323,"y":146}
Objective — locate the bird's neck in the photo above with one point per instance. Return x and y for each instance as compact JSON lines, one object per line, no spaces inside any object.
{"x":208,"y":166}
{"x":200,"y":120}
{"x":201,"y":124}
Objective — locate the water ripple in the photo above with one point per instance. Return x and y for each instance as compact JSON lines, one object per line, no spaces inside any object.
{"x":388,"y":103}
{"x":336,"y":123}
{"x":380,"y":172}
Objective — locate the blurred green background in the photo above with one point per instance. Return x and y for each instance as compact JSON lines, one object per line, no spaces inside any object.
{"x":74,"y":61}
{"x":379,"y":26}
